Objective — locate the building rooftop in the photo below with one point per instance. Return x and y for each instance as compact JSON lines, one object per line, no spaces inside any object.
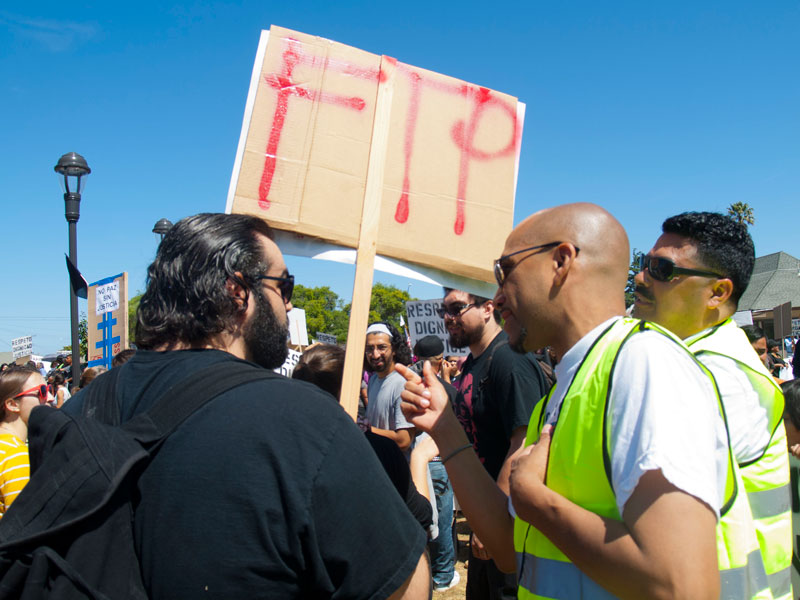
{"x":775,"y":280}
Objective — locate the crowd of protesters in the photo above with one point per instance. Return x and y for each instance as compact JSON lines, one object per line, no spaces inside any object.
{"x":594,"y":454}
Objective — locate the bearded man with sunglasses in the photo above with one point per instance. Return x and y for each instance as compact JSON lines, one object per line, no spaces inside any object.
{"x":690,"y":282}
{"x":260,"y":492}
{"x":497,"y":391}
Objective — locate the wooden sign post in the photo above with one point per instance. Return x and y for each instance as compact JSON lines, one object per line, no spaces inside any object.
{"x":370,"y":153}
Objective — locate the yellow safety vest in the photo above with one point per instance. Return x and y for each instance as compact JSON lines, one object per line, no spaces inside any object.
{"x":766,"y":479}
{"x":579,"y":469}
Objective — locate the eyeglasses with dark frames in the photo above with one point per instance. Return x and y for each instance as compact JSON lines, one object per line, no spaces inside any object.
{"x":454,"y":310}
{"x":502,"y":269}
{"x":285,"y":285}
{"x":663,"y":269}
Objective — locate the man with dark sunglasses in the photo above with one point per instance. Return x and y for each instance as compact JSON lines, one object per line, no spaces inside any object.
{"x":690,"y":283}
{"x":497,"y":391}
{"x":627,"y":468}
{"x":261,"y":491}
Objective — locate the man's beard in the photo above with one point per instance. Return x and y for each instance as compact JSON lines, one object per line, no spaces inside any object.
{"x":463,"y":338}
{"x":265,"y":337}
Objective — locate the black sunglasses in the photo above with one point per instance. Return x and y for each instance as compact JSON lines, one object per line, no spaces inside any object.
{"x":501,"y":270}
{"x":454,"y":310}
{"x":663,"y":269}
{"x":285,"y":285}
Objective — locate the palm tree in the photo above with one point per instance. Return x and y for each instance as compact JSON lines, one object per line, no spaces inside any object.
{"x":742,"y":212}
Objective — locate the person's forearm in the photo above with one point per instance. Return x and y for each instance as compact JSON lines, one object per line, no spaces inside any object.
{"x":402,"y":438}
{"x":419,"y":474}
{"x":606,"y":551}
{"x":481,"y":501}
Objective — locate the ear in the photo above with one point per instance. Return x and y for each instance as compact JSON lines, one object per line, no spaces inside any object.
{"x":721,"y":291}
{"x":12,"y":405}
{"x":237,"y":290}
{"x":487,"y":310}
{"x":564,"y":256}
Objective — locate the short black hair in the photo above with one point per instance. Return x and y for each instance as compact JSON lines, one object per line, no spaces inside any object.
{"x":186,"y":299}
{"x":791,"y":394}
{"x":723,"y":245}
{"x":478,"y":300}
{"x":753,"y":333}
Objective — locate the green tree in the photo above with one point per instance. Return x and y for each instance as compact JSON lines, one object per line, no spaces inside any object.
{"x":83,"y":337}
{"x":324,"y":311}
{"x":742,"y":213}
{"x":133,"y":305}
{"x":630,"y":286}
{"x":386,"y":304}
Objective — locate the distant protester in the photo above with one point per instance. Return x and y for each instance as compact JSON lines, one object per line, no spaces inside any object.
{"x":89,"y":374}
{"x":122,"y":357}
{"x":58,"y":389}
{"x":21,"y":389}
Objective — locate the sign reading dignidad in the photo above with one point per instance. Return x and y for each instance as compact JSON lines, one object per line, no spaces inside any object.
{"x":423,"y":319}
{"x":22,"y":346}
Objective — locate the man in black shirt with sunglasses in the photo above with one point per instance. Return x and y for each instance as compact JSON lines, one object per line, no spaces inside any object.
{"x":259,"y":493}
{"x":497,"y":391}
{"x":690,"y":282}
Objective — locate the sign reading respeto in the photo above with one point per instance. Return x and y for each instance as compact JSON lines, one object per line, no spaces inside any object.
{"x":447,"y":190}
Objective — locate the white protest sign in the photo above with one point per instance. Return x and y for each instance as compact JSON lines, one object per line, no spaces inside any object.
{"x":298,"y":334}
{"x":287,"y":368}
{"x":423,"y":319}
{"x":107,"y":298}
{"x":743,"y":317}
{"x":22,"y":346}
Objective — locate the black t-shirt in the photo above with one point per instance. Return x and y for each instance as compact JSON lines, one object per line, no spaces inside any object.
{"x":496,"y":394}
{"x":396,"y":466}
{"x":268,"y":491}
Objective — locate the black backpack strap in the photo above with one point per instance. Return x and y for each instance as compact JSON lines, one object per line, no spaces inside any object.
{"x":189,"y":395}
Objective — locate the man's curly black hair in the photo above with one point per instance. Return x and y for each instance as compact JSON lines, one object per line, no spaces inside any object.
{"x":723,"y":245}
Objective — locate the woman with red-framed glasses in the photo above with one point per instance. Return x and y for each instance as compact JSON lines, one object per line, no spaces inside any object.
{"x":21,"y":389}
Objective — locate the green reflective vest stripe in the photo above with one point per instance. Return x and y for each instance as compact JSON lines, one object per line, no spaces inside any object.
{"x":766,"y":479}
{"x":579,"y":469}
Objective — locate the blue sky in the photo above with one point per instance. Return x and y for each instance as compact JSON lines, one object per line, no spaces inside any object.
{"x":645,"y":108}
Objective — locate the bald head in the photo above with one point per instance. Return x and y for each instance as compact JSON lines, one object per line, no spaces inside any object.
{"x":602,"y":241}
{"x":564,"y":290}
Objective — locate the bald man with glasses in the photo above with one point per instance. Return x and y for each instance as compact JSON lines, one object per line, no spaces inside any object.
{"x":626,"y":468}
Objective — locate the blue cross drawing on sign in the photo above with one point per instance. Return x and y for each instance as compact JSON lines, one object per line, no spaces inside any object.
{"x":106,"y":344}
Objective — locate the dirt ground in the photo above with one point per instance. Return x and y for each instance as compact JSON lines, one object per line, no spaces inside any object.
{"x":460,"y":591}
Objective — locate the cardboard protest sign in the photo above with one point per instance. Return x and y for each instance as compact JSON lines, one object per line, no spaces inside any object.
{"x":446,"y":189}
{"x":423,"y":320}
{"x":22,"y":346}
{"x":107,"y":319}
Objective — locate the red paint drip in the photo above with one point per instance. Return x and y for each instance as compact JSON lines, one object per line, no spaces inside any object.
{"x":401,"y":213}
{"x":285,"y":87}
{"x":290,"y":59}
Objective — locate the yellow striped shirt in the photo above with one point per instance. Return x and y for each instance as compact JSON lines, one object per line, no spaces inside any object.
{"x":14,"y":469}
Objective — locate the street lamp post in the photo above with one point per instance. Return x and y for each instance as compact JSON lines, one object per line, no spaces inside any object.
{"x":73,"y":168}
{"x":161,"y":227}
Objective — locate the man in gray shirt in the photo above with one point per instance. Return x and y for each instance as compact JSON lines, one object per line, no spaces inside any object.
{"x":385,"y":347}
